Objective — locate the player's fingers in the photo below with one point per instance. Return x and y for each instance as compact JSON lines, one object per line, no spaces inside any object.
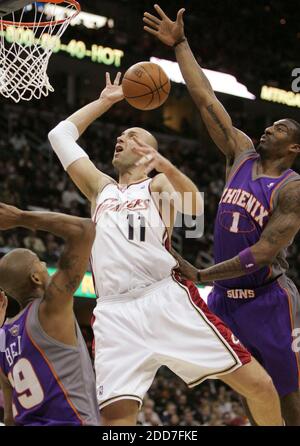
{"x":152,"y":17}
{"x":142,"y":149}
{"x":160,"y":12}
{"x":144,"y":160}
{"x":141,"y":161}
{"x":150,"y":23}
{"x":150,"y":30}
{"x":108,"y":82}
{"x":117,"y":79}
{"x":140,"y":143}
{"x":180,"y":15}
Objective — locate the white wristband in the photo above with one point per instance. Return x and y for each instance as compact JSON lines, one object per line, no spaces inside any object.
{"x":63,"y":141}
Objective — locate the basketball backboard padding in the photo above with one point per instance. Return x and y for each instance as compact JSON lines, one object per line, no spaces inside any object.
{"x":8,"y":6}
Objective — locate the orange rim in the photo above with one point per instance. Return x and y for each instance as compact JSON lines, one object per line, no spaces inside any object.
{"x":6,"y":23}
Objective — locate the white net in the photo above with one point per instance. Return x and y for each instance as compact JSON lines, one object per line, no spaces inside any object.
{"x":27,"y":40}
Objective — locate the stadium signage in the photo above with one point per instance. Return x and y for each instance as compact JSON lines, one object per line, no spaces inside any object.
{"x":74,"y":48}
{"x":273,"y":94}
{"x":221,"y":82}
{"x":86,"y":288}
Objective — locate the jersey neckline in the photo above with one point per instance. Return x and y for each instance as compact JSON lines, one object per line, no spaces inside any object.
{"x":255,"y":176}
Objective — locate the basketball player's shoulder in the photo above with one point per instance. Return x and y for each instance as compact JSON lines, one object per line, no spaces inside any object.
{"x":106,"y":181}
{"x":160,"y":183}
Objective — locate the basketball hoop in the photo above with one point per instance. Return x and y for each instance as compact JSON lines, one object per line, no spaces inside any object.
{"x":29,"y":34}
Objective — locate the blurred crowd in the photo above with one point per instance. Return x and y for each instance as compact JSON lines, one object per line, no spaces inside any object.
{"x":169,"y":403}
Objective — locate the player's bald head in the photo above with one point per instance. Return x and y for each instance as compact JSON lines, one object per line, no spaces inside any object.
{"x":15,"y":272}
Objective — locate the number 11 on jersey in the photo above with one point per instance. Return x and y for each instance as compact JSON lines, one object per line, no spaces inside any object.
{"x":132,"y":228}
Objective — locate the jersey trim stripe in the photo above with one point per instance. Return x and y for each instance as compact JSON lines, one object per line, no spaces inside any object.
{"x":276,"y":189}
{"x":237,"y":168}
{"x":41,"y":351}
{"x":292,"y":327}
{"x":119,"y":398}
{"x":132,"y":184}
{"x":100,"y":192}
{"x":204,"y":312}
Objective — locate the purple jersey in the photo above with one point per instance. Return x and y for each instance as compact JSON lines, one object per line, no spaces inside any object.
{"x":53,"y":383}
{"x":244,"y":210}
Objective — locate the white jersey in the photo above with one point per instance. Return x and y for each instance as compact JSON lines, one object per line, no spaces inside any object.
{"x":129,"y":251}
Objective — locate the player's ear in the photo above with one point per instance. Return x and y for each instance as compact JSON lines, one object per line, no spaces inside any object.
{"x":36,"y":278}
{"x":295,"y":148}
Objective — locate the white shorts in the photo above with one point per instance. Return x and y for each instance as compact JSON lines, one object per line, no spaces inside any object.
{"x":168,"y":324}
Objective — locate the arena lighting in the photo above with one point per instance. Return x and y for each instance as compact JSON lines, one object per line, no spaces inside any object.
{"x":221,"y":82}
{"x":86,"y":288}
{"x":90,"y":21}
{"x":273,"y":94}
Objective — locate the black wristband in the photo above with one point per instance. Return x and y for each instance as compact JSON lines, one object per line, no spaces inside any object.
{"x":198,"y":276}
{"x":179,"y":41}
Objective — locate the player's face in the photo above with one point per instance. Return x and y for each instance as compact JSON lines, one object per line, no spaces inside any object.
{"x":124,"y":157}
{"x":277,"y":138}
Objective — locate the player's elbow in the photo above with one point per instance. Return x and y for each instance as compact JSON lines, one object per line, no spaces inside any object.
{"x":83,"y":230}
{"x":54,"y":135}
{"x":65,"y":132}
{"x":88,"y":229}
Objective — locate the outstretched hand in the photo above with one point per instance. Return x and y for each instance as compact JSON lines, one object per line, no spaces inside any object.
{"x":150,"y":158}
{"x":113,"y":92}
{"x":185,"y":268}
{"x":162,"y":27}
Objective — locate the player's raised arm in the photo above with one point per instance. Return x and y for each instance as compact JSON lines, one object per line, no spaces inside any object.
{"x":78,"y":233}
{"x":74,"y":159}
{"x":174,"y":186}
{"x":230,"y":140}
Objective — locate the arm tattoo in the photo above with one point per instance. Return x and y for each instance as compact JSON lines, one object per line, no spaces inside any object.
{"x":206,"y":81}
{"x":212,"y":113}
{"x":285,"y":220}
{"x":226,"y":270}
{"x":73,"y":284}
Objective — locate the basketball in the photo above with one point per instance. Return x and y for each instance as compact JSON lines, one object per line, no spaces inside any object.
{"x":146,"y":86}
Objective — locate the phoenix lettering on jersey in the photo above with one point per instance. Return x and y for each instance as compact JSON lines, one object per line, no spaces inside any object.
{"x":13,"y":350}
{"x":246,"y":201}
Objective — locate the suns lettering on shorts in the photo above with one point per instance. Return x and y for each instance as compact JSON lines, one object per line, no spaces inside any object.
{"x":246,"y":201}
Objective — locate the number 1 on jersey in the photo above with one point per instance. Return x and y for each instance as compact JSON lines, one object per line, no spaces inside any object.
{"x":235,"y":222}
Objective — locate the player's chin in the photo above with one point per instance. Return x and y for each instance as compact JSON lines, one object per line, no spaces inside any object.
{"x":115,"y":162}
{"x":261,"y":147}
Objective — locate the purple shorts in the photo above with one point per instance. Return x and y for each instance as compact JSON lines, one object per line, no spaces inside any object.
{"x":265,"y":320}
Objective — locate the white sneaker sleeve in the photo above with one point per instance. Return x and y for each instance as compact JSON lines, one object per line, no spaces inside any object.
{"x":63,"y":141}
